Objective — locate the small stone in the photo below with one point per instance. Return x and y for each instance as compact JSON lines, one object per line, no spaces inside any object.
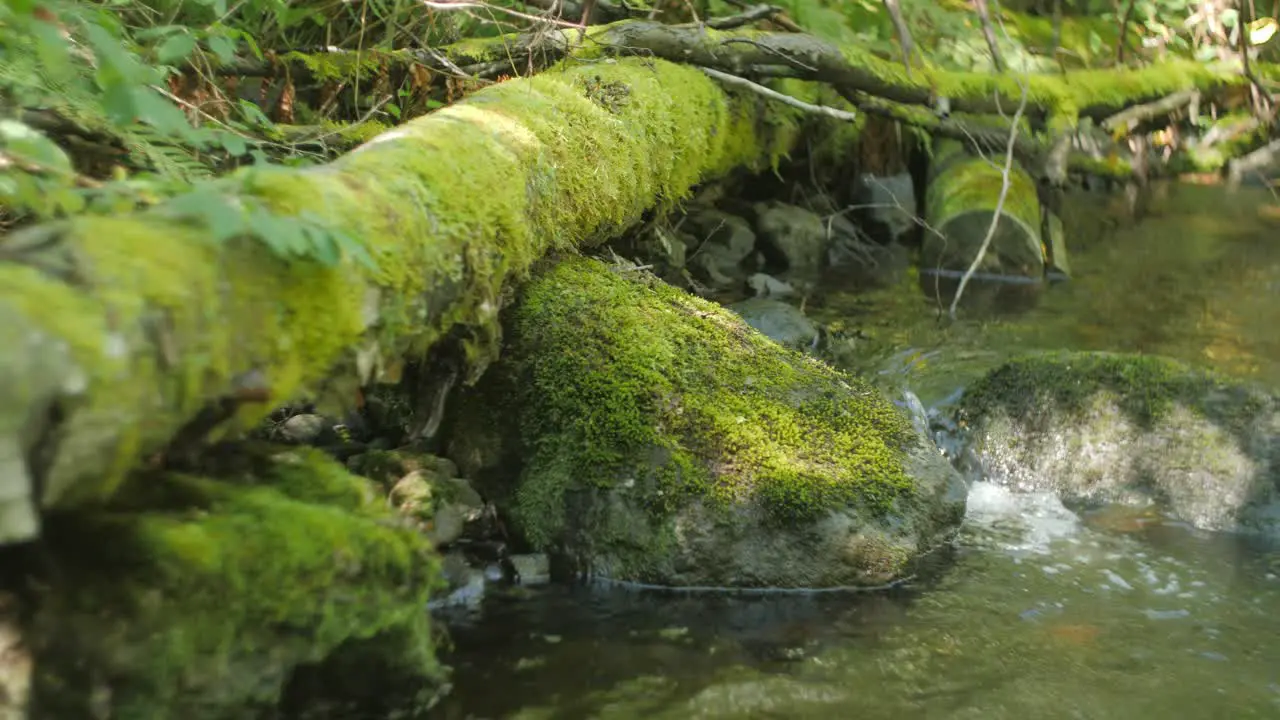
{"x":890,"y":202}
{"x":767,"y":286}
{"x":468,"y":594}
{"x":721,"y":244}
{"x":303,"y":429}
{"x":455,"y":569}
{"x":781,"y":322}
{"x":443,"y":506}
{"x":532,"y":569}
{"x":792,"y":236}
{"x":16,"y":663}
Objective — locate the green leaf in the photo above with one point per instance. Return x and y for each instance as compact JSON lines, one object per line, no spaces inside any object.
{"x":52,"y":52}
{"x":160,"y":113}
{"x":29,"y":145}
{"x":223,"y":47}
{"x":254,"y":114}
{"x":223,"y":218}
{"x":394,"y":110}
{"x":233,"y":144}
{"x":176,"y":49}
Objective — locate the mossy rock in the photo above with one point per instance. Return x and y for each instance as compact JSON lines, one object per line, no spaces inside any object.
{"x":668,"y":442}
{"x":1103,"y":428}
{"x":197,"y":597}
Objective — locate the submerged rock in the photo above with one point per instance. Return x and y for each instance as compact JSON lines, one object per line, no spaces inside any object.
{"x":199,"y":597}
{"x":1108,"y":428}
{"x":531,"y":569}
{"x":792,"y":237}
{"x":441,"y":506}
{"x":722,"y":244}
{"x":782,"y":323}
{"x":15,"y":661}
{"x":767,"y":286}
{"x":669,"y":443}
{"x":888,"y":202}
{"x":304,"y":429}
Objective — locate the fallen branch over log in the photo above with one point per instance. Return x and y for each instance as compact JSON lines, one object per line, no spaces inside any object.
{"x":1055,"y":100}
{"x":1256,"y":161}
{"x":118,"y":332}
{"x":598,"y":12}
{"x":825,"y":110}
{"x":1131,"y":117}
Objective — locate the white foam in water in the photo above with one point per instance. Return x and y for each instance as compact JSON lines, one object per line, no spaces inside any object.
{"x":1039,"y":515}
{"x":1117,"y":580}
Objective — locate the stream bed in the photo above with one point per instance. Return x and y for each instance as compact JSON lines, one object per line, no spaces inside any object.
{"x":1040,"y":611}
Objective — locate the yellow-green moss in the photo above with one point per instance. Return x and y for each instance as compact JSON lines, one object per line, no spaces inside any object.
{"x":343,"y":66}
{"x":198,"y":600}
{"x":355,"y":133}
{"x":1144,"y":387}
{"x":160,"y":321}
{"x":971,"y":183}
{"x":624,"y":377}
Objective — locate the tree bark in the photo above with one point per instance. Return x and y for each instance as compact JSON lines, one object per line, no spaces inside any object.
{"x":118,"y":332}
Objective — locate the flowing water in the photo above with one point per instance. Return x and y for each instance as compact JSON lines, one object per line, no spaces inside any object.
{"x":1039,"y":612}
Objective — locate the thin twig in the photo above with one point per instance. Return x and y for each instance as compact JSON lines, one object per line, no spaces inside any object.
{"x":775,"y":95}
{"x":904,"y":33}
{"x":464,"y":5}
{"x":984,"y":17}
{"x":1006,"y":177}
{"x":790,"y":60}
{"x":779,"y":19}
{"x":1124,"y":32}
{"x":759,"y":12}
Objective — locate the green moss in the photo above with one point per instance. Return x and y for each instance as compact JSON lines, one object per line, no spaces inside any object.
{"x":357,"y":133}
{"x":205,"y":602}
{"x":1081,"y":40}
{"x":1145,"y":388}
{"x":624,"y":378}
{"x":341,"y":66}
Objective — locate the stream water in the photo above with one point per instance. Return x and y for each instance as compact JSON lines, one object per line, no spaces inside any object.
{"x":1039,"y":612}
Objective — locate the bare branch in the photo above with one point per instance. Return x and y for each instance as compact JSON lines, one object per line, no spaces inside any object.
{"x":469,"y":5}
{"x":780,"y":19}
{"x":1262,"y":157}
{"x":1131,"y":117}
{"x":599,"y":12}
{"x":1124,"y":32}
{"x":984,"y":17}
{"x":904,"y":33}
{"x":759,"y":12}
{"x":741,"y":82}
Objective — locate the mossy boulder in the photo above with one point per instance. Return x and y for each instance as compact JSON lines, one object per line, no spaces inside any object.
{"x":1105,"y":428}
{"x":199,"y":597}
{"x":667,"y":442}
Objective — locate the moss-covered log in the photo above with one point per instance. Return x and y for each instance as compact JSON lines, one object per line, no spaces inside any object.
{"x":961,"y":204}
{"x":118,"y":331}
{"x":197,"y":597}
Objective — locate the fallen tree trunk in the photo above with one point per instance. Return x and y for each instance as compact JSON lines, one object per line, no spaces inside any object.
{"x":961,"y":205}
{"x":122,"y":332}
